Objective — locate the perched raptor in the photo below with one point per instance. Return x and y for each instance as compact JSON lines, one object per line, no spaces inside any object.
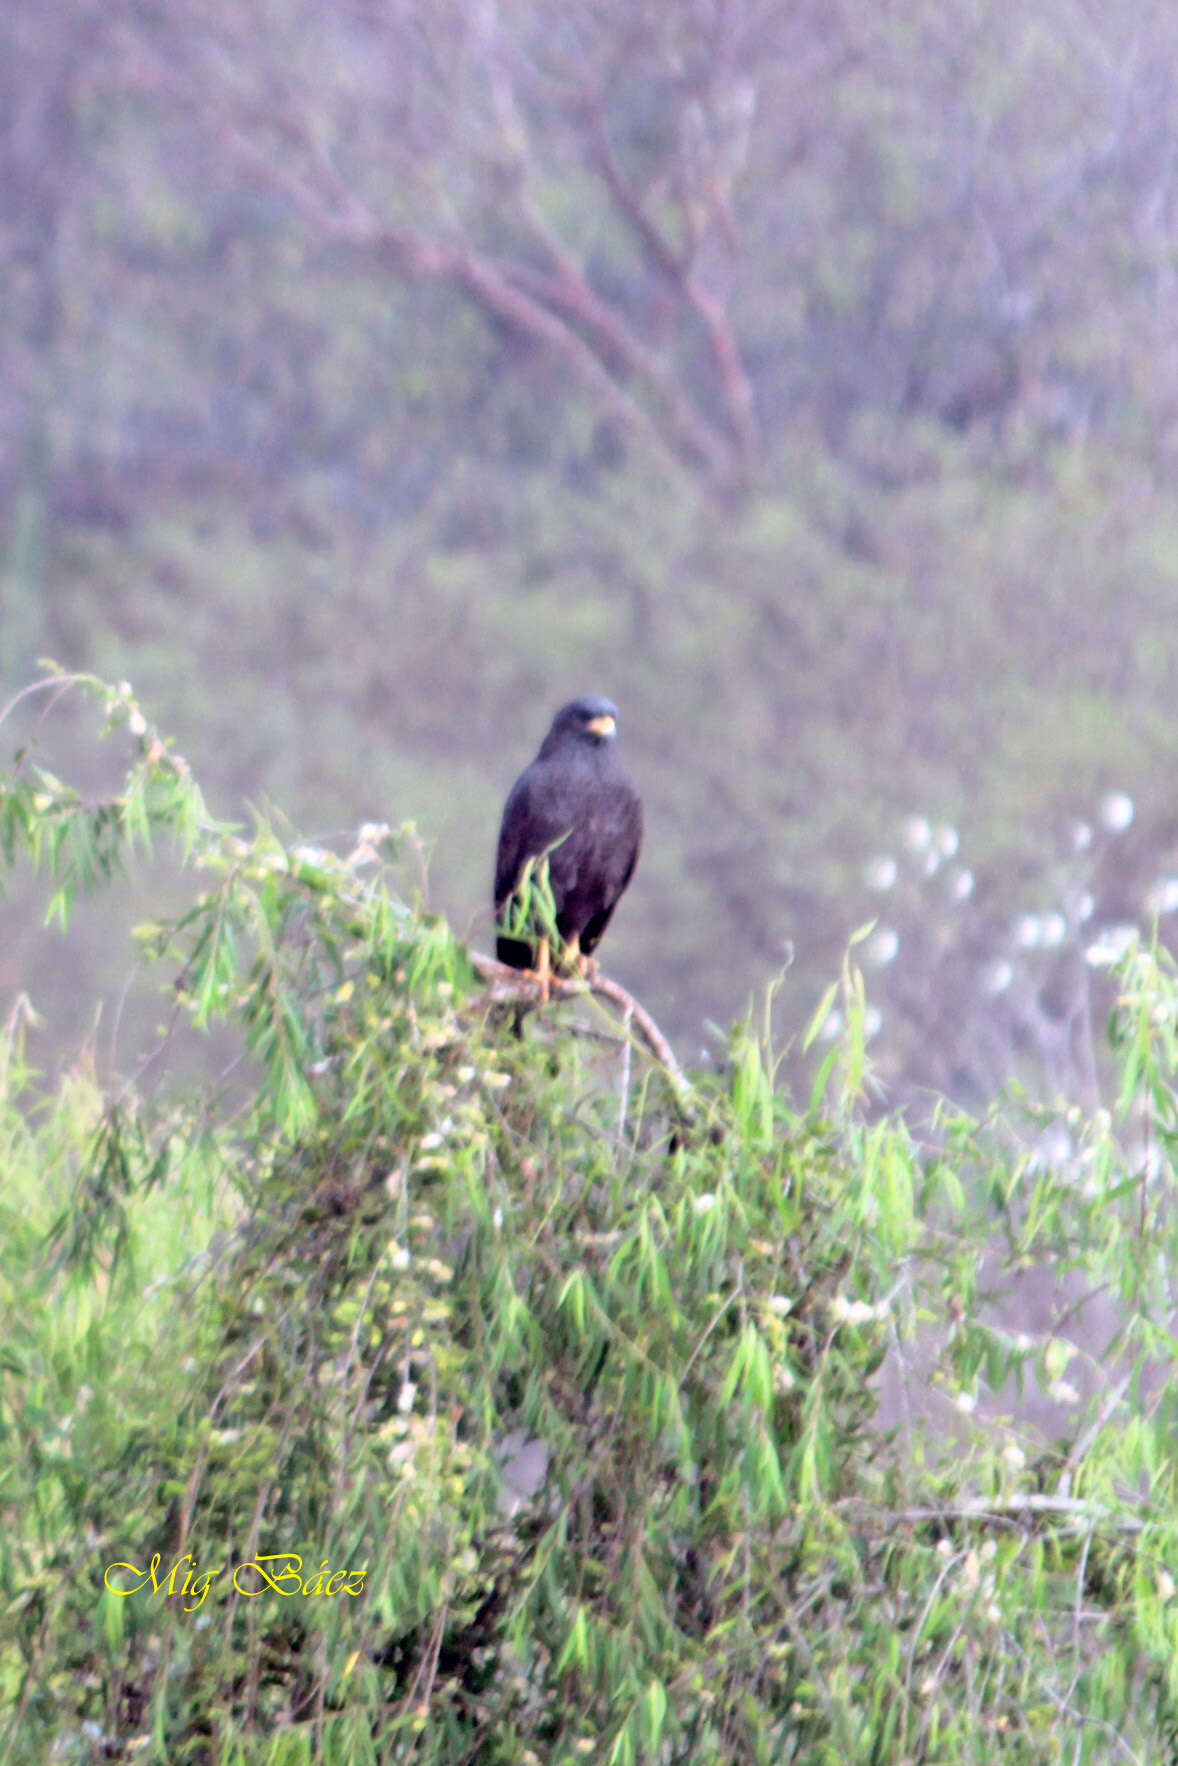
{"x":575,"y":804}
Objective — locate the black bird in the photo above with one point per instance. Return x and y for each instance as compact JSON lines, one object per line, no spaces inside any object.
{"x":576,"y":804}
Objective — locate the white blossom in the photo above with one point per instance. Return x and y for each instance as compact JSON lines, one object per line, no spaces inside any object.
{"x":1163,"y":897}
{"x":1110,"y":945}
{"x":1083,"y":907}
{"x":852,"y":1312}
{"x":1055,"y":930}
{"x":1116,"y":811}
{"x":880,"y":873}
{"x":881,"y":947}
{"x":961,"y":883}
{"x":997,"y":977}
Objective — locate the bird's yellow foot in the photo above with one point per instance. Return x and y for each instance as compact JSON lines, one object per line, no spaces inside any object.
{"x":543,"y":970}
{"x":576,"y":960}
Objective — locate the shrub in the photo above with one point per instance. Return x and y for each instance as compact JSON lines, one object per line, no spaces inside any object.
{"x":476,"y":1399}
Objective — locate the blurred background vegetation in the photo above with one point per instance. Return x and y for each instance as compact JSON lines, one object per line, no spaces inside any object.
{"x":803,"y":376}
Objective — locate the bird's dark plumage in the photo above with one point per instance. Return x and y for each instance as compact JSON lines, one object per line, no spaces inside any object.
{"x":576,"y":803}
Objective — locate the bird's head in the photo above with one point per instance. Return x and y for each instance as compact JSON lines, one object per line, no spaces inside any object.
{"x":590,"y":720}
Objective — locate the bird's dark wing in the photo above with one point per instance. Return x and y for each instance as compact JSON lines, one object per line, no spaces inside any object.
{"x":635,"y":829}
{"x":534,"y":818}
{"x":513,"y":840}
{"x":625,"y":845}
{"x":625,"y":839}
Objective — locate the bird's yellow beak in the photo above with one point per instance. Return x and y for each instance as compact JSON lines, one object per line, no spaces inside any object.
{"x":602,"y":726}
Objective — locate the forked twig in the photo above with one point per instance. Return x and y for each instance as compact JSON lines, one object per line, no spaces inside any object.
{"x":508,"y":984}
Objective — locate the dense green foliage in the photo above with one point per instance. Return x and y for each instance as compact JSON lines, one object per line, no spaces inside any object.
{"x":583,"y":1380}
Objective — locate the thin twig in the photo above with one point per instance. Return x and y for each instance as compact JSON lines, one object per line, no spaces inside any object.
{"x":61,"y":682}
{"x":1108,"y":1406}
{"x":1001,"y":1508}
{"x":624,"y":1082}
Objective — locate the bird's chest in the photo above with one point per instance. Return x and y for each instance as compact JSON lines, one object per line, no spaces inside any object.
{"x":588,"y":852}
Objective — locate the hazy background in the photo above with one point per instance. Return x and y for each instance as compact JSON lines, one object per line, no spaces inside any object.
{"x":378,"y":374}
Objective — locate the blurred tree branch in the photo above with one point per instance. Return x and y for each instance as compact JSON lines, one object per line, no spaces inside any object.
{"x":456,"y":175}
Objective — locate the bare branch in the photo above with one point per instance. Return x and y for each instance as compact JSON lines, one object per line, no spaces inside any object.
{"x":673,"y":264}
{"x":624,"y":1081}
{"x":1006,"y":1510}
{"x":571,"y":293}
{"x":569,"y":290}
{"x":508,"y":984}
{"x":678,"y":269}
